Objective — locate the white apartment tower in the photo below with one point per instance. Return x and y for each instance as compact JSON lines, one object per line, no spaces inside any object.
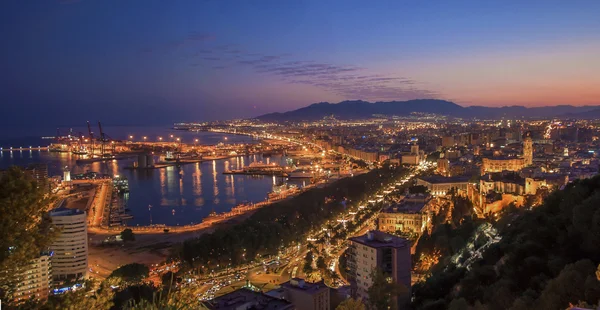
{"x":70,"y":259}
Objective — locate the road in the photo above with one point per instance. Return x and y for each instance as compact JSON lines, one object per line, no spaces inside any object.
{"x":295,"y":260}
{"x":96,"y":212}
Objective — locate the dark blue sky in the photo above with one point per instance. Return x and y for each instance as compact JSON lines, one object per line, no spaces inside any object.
{"x":137,"y":62}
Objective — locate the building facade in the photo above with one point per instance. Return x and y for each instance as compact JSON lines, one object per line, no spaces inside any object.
{"x":35,"y":280}
{"x":440,"y":186}
{"x":70,"y":259}
{"x":502,"y":164}
{"x":381,"y":251}
{"x":410,"y":216}
{"x":528,"y":149}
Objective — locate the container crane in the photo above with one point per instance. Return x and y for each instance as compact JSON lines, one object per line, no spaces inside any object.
{"x":105,"y":138}
{"x":91,"y":134}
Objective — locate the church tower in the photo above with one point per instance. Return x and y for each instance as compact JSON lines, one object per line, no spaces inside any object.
{"x":528,"y":149}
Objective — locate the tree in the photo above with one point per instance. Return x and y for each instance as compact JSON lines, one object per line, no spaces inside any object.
{"x":571,"y":286}
{"x":100,"y":299}
{"x":308,"y":260}
{"x":321,"y":263}
{"x":351,"y":304}
{"x":168,"y":279}
{"x":127,"y":235}
{"x":25,"y":227}
{"x":384,"y":292}
{"x":458,"y":304}
{"x":131,"y":273}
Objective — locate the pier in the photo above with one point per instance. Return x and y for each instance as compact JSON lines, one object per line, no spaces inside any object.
{"x":266,"y":172}
{"x":15,"y":149}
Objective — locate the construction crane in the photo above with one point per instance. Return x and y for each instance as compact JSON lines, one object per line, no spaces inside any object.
{"x":91,"y":137}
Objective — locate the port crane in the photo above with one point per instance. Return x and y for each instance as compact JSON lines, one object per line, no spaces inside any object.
{"x":91,"y":134}
{"x":103,"y":139}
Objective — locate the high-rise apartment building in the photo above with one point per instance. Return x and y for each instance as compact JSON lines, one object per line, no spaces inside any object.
{"x":35,"y":279}
{"x":70,"y":259}
{"x":381,"y":251}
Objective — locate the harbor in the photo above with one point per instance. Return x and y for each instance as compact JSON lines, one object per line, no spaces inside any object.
{"x":175,"y":178}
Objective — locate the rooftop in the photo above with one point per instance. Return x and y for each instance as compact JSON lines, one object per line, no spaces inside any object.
{"x":406,"y":207}
{"x":300,"y":285}
{"x":379,"y":239}
{"x":246,"y":299}
{"x":62,"y":211}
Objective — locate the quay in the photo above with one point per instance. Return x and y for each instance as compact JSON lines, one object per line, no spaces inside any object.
{"x":93,"y":160}
{"x":206,"y":222}
{"x":256,"y":172}
{"x":183,"y":161}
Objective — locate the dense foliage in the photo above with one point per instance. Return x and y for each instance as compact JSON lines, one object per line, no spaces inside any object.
{"x":284,"y":223}
{"x":25,"y":228}
{"x":546,"y":259}
{"x":131,"y":273}
{"x":127,"y":235}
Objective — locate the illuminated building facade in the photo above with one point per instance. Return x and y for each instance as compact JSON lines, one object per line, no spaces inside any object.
{"x":36,"y":279}
{"x":70,"y":259}
{"x":381,"y":251}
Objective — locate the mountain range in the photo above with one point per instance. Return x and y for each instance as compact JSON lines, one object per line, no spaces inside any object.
{"x":362,"y":109}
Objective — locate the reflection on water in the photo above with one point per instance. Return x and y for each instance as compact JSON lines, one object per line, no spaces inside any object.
{"x":177,"y":195}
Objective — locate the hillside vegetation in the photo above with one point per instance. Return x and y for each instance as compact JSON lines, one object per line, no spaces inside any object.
{"x":546,"y":258}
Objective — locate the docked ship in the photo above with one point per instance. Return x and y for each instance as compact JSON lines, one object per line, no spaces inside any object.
{"x":259,"y":165}
{"x":121,"y":184}
{"x":81,"y":150}
{"x":259,"y":168}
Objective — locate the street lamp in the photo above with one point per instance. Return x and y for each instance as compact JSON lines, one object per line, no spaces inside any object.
{"x":145,"y":138}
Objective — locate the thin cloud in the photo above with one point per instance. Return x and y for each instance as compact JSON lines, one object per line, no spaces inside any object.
{"x":347,"y":81}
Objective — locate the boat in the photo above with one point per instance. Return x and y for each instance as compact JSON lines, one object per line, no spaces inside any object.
{"x":121,"y":184}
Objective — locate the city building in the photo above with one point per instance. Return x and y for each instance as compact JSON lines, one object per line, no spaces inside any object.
{"x":510,"y":183}
{"x":70,"y":259}
{"x":448,"y":141}
{"x":414,"y":157}
{"x":499,"y":164}
{"x":35,"y":279}
{"x":245,"y":299}
{"x":38,"y":172}
{"x":381,"y":251}
{"x":440,"y":185}
{"x":409,"y":216}
{"x":504,"y":163}
{"x":66,"y":174}
{"x":528,"y":149}
{"x":309,"y":296}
